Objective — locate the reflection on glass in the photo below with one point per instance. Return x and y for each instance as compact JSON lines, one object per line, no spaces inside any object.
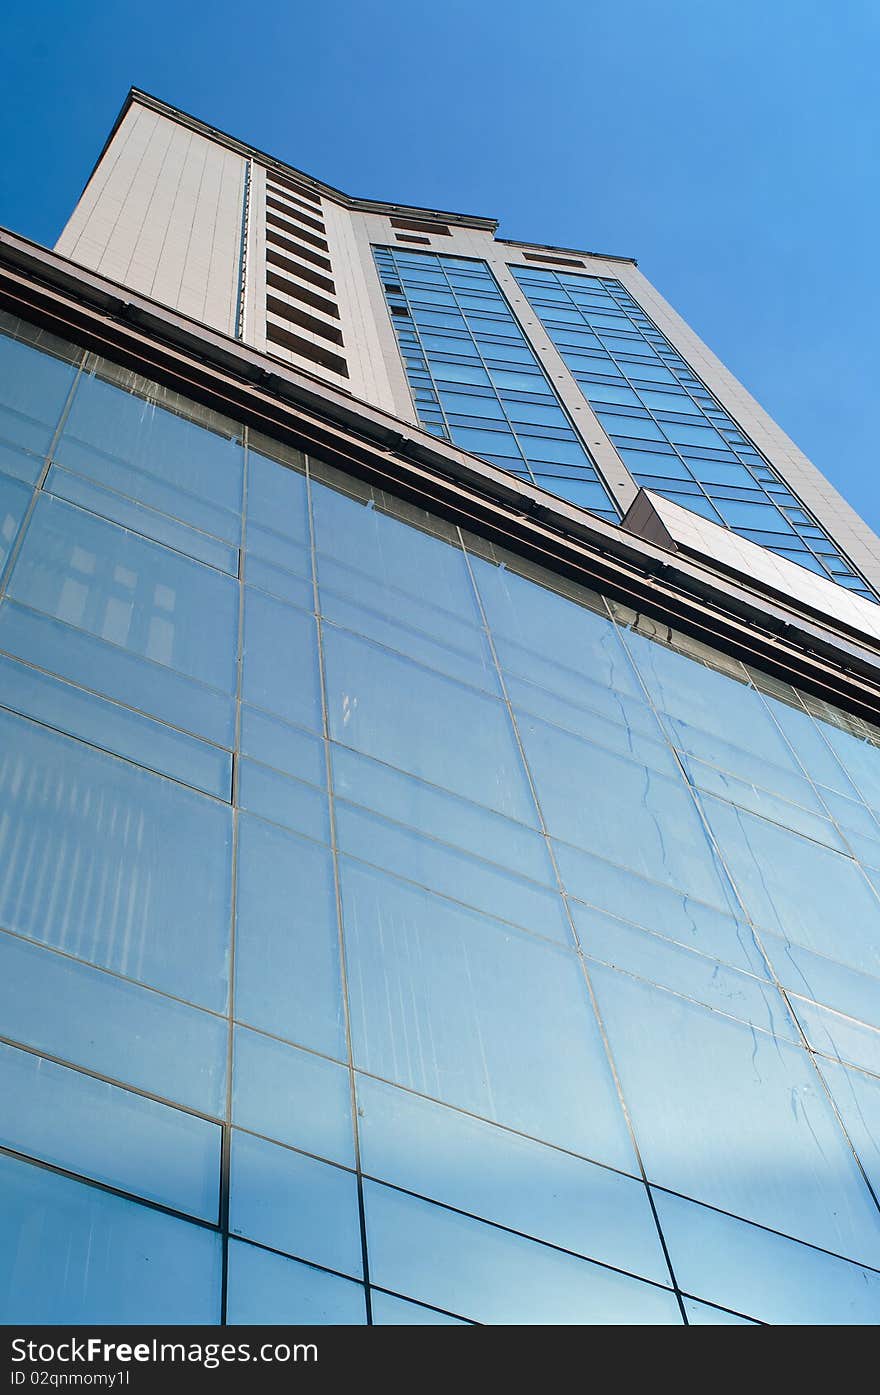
{"x":287,"y":944}
{"x":444,"y":733}
{"x":280,"y":663}
{"x":736,"y":1118}
{"x":88,"y":1126}
{"x":33,"y":389}
{"x":295,"y":1203}
{"x":112,"y":1026}
{"x":71,"y":1254}
{"x":293,"y":1096}
{"x":492,"y":1276}
{"x":473,"y":1012}
{"x":267,"y":1288}
{"x":389,"y":1311}
{"x":500,"y":1176}
{"x":713,"y":830}
{"x":762,"y":1275}
{"x":122,"y":588}
{"x":113,"y":864}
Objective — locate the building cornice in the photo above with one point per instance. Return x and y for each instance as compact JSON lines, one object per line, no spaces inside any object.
{"x":271,"y":163}
{"x":747,"y":620}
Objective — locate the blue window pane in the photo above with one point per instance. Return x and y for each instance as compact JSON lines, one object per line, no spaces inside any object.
{"x":280,"y":664}
{"x":495,"y":1277}
{"x":735,"y":1118}
{"x":570,"y":313}
{"x":409,"y":620}
{"x":33,"y":389}
{"x":290,"y":555}
{"x":761,"y":1274}
{"x":485,"y":1017}
{"x":860,"y":759}
{"x":857,"y":1097}
{"x":291,"y":1095}
{"x":673,"y":914}
{"x":632,"y":815}
{"x":451,"y":872}
{"x":295,"y":1203}
{"x":158,"y":526}
{"x":574,"y":641}
{"x":284,"y":747}
{"x":107,"y":422}
{"x":703,"y":1315}
{"x":598,"y":713}
{"x":444,"y":733}
{"x":276,"y":498}
{"x":710,"y":701}
{"x":20,"y":464}
{"x":287,"y":941}
{"x":105,"y":668}
{"x":71,"y":1254}
{"x":500,"y":1176}
{"x":112,"y":1026}
{"x":475,"y":326}
{"x":266,"y":1288}
{"x":278,"y":581}
{"x":838,"y":1036}
{"x":794,"y":887}
{"x":814,"y":976}
{"x":391,"y":553}
{"x":397,"y":1312}
{"x":78,"y":713}
{"x":276,"y":797}
{"x":14,"y":499}
{"x":87,"y":1126}
{"x":441,"y":815}
{"x":122,"y":588}
{"x":693,"y":975}
{"x":615,"y":735}
{"x":144,"y":863}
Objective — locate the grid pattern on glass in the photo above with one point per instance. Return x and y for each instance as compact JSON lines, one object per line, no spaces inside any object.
{"x":716,"y":899}
{"x":671,"y":433}
{"x":474,"y":378}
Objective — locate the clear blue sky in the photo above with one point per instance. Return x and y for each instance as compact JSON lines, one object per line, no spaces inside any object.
{"x":732,"y":147}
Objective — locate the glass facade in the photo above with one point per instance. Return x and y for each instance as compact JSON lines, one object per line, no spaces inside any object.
{"x":475,"y":379}
{"x":394,"y":933}
{"x":672,"y":434}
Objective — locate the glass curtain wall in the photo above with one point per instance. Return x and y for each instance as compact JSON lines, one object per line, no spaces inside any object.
{"x":475,"y":379}
{"x":392,"y":933}
{"x":671,"y":433}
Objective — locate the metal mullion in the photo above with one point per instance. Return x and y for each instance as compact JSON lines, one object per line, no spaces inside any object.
{"x":337,"y":892}
{"x":226,"y":1156}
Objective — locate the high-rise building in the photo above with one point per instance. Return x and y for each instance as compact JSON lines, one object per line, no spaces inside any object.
{"x":440,"y":781}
